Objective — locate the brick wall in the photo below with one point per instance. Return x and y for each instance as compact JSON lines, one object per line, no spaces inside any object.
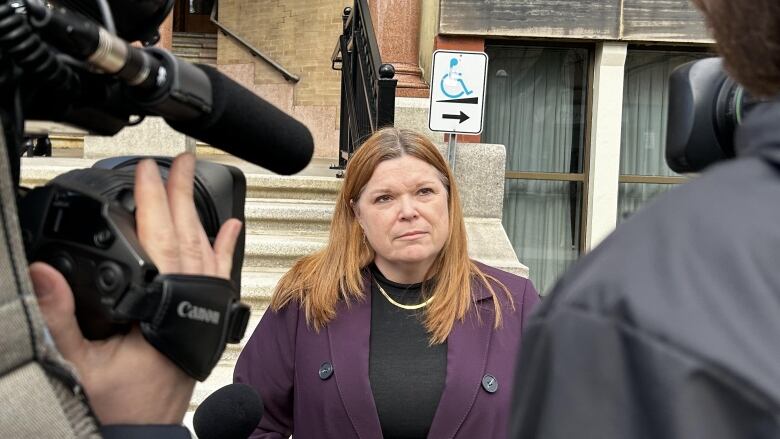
{"x":298,"y":34}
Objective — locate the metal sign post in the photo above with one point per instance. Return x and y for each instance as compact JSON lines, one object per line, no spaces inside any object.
{"x":451,"y":150}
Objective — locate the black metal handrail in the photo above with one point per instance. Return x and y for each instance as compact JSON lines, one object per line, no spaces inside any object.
{"x":367,"y":85}
{"x":251,"y":49}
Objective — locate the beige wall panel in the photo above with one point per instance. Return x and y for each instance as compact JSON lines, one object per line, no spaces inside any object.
{"x":298,"y":34}
{"x":634,"y":20}
{"x":669,"y":20}
{"x":531,"y":18}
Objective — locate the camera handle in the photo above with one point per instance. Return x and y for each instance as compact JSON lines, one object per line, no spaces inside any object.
{"x":191,"y":318}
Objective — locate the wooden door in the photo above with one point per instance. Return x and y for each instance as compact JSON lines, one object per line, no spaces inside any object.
{"x":193,"y":16}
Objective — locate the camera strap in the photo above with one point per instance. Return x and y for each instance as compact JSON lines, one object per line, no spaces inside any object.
{"x":191,"y":320}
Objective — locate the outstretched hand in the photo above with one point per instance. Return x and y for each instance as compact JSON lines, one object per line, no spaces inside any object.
{"x":126,"y":379}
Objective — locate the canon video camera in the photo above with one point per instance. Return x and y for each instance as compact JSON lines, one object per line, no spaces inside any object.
{"x":83,"y":224}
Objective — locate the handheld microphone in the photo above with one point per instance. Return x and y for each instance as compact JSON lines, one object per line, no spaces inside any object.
{"x":232,"y":412}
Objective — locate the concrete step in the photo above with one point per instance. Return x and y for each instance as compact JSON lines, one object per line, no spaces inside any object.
{"x":194,"y":35}
{"x":278,"y":251}
{"x":185,"y":48}
{"x":288,"y":217}
{"x":194,"y":43}
{"x":195,"y":47}
{"x":258,"y":286}
{"x":37,"y":171}
{"x":201,"y":52}
{"x":66,"y":137}
{"x":199,"y":60}
{"x":198,"y":56}
{"x":292,"y":187}
{"x":184,"y":38}
{"x":76,"y":141}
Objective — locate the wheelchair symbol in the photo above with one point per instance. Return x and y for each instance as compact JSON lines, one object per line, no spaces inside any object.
{"x":452,"y":84}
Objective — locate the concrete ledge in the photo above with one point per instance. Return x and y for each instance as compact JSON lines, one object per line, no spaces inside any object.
{"x":489,"y":244}
{"x":288,"y":216}
{"x":294,"y":187}
{"x":479,"y":170}
{"x":151,"y":137}
{"x":412,"y":114}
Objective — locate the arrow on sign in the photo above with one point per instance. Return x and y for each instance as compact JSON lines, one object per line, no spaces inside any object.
{"x":462,"y":117}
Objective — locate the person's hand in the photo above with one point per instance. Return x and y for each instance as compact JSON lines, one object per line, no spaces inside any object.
{"x":126,"y":379}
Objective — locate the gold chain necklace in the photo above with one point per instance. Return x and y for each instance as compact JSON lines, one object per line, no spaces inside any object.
{"x":401,"y":305}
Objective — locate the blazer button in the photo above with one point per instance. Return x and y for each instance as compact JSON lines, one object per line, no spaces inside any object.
{"x":489,"y":383}
{"x":326,"y":370}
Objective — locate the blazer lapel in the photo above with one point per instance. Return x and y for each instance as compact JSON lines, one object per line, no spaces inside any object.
{"x":348,"y":336}
{"x":467,"y":352}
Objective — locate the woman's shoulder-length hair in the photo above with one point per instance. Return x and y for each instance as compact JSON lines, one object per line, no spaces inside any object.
{"x":319,"y":281}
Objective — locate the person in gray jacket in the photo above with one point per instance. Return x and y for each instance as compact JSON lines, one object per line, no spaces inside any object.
{"x":670,"y":328}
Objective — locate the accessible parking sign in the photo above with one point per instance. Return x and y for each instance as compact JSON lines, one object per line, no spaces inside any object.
{"x":457,"y":102}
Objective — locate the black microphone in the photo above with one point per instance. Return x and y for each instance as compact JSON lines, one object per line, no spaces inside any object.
{"x":246,"y":126}
{"x":231,"y":412}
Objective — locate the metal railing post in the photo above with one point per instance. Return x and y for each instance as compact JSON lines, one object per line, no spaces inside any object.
{"x":386,"y":99}
{"x":346,"y":69}
{"x":367,"y":86}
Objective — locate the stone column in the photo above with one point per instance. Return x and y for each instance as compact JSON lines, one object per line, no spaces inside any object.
{"x":166,"y":33}
{"x":397,"y":28}
{"x":601,"y":214}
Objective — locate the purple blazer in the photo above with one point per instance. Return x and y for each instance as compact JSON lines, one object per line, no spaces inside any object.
{"x":284,"y":357}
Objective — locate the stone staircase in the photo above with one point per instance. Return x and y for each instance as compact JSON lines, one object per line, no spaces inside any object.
{"x":196,"y":47}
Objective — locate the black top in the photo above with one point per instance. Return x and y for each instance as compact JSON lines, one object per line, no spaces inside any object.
{"x":144,"y":432}
{"x":407,"y":375}
{"x":670,"y":328}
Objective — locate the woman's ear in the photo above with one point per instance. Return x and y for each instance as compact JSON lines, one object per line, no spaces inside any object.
{"x":355,"y":209}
